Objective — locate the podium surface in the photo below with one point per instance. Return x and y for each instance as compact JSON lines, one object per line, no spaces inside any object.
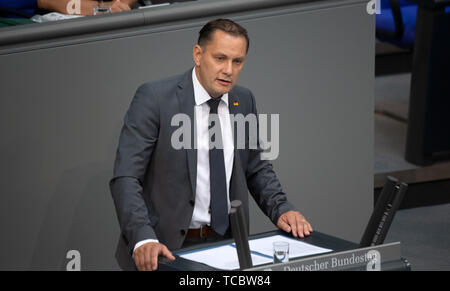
{"x":316,"y":238}
{"x":387,"y":256}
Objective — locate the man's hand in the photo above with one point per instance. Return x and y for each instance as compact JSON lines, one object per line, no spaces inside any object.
{"x":295,"y":222}
{"x":146,"y":256}
{"x":118,"y":6}
{"x":86,"y":6}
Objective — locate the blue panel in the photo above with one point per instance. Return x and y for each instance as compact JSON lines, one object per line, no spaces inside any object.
{"x":385,"y":21}
{"x":18,"y":4}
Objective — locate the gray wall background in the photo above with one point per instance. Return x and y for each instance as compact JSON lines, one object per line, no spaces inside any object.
{"x":62,"y":105}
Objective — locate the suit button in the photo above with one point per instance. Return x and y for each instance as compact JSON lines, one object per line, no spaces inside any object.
{"x":192,"y":202}
{"x":183,"y":232}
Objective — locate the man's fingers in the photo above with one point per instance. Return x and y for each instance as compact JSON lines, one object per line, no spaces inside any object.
{"x":141,"y":261}
{"x":293,"y":223}
{"x":284,"y":226}
{"x":299,"y":225}
{"x":165,"y":252}
{"x":305,"y":229}
{"x":118,"y":6}
{"x":154,"y":258}
{"x":308,"y":228}
{"x":146,"y":256}
{"x":137,"y":262}
{"x":147,"y":259}
{"x":124,"y":7}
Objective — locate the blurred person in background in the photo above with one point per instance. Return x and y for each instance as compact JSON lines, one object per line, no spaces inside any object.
{"x":27,"y":8}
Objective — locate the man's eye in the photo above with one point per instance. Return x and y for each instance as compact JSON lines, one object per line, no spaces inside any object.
{"x":219,"y":58}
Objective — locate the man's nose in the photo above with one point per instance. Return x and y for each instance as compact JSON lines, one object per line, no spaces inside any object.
{"x":228,"y":68}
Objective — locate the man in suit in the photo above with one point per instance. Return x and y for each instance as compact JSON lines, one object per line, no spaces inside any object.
{"x":167,"y":197}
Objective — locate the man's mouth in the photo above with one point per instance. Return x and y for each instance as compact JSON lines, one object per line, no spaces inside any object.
{"x":224,"y":82}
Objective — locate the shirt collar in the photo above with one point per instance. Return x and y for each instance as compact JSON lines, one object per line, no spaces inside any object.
{"x":200,"y":94}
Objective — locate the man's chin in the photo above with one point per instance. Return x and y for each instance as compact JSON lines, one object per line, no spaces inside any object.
{"x":223,"y":91}
{"x":218,"y":94}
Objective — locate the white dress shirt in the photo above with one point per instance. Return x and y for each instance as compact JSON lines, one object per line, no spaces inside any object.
{"x":201,"y":215}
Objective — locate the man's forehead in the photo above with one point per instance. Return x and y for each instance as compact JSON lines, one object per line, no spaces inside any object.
{"x":221,"y":41}
{"x":219,"y":34}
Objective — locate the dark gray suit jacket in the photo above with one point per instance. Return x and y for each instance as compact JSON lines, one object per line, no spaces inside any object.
{"x":153,"y":186}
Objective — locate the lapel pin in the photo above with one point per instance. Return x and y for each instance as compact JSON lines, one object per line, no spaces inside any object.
{"x":235,"y":103}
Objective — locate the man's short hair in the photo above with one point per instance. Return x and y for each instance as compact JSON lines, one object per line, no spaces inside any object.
{"x":226,"y":25}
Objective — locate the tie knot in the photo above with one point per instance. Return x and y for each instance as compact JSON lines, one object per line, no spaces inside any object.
{"x":214,"y":104}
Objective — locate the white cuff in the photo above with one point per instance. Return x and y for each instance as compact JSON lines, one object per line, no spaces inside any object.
{"x":142,"y":242}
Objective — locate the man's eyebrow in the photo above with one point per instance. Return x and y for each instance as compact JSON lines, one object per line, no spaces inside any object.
{"x":218,"y":54}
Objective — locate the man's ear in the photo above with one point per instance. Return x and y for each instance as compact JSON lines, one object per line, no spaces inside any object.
{"x":197,"y":54}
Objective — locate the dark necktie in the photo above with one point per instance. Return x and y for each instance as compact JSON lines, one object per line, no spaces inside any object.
{"x":217,"y":175}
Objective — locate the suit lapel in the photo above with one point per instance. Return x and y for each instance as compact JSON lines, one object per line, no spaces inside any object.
{"x":186,"y":99}
{"x":233,"y":106}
